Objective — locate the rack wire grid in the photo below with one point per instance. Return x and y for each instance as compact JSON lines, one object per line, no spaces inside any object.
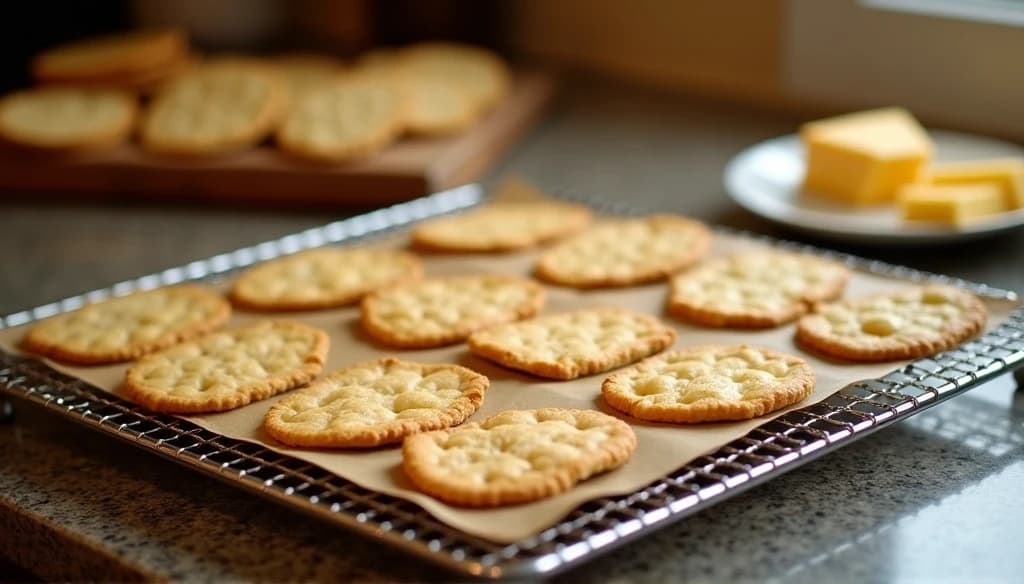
{"x":598,"y":526}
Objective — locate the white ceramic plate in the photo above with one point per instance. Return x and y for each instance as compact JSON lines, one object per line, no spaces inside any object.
{"x":765,"y":179}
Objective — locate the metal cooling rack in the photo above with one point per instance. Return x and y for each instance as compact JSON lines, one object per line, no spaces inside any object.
{"x":595,"y":527}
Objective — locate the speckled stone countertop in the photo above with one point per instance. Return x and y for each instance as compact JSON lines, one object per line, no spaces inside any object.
{"x":934,"y":498}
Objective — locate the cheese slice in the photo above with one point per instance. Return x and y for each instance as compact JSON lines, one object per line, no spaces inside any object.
{"x":1008,"y":173}
{"x":863,"y":158}
{"x":955,"y":205}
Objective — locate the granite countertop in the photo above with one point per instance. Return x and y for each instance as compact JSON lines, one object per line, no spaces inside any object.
{"x":934,"y":498}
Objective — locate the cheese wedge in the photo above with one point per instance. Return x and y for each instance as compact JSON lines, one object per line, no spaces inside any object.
{"x":955,"y":205}
{"x":863,"y":158}
{"x":1008,"y":173}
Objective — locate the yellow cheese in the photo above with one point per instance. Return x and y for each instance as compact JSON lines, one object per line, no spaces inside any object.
{"x":1008,"y":173}
{"x":863,"y":158}
{"x":951,"y":204}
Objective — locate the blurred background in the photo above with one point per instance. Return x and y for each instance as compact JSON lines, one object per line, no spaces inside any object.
{"x":954,"y":63}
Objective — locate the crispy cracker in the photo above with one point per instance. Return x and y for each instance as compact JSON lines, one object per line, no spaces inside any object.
{"x":760,"y":289}
{"x":215,"y":107}
{"x":376,"y":402}
{"x":307,"y":72}
{"x":128,"y":327}
{"x":480,"y":75}
{"x":228,"y":369}
{"x":503,"y":225}
{"x":516,"y":456}
{"x":343,"y":120}
{"x":571,"y":345}
{"x":626,"y":252}
{"x":323,"y":278}
{"x":109,"y":57}
{"x":709,"y":383}
{"x":912,"y":322}
{"x":59,"y":118}
{"x":441,"y":311}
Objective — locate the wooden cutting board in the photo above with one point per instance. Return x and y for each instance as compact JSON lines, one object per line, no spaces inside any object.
{"x":264,"y":175}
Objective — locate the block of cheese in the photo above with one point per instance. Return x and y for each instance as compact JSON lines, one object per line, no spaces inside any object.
{"x":951,"y":204}
{"x":864,"y":157}
{"x":1008,"y":173}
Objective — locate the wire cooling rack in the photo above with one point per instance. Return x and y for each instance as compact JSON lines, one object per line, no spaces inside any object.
{"x":595,"y":527}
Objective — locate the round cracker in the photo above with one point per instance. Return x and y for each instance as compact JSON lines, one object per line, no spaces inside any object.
{"x":516,"y":456}
{"x":709,"y":383}
{"x":323,"y":278}
{"x":67,"y":118}
{"x":376,"y":402}
{"x":130,"y":326}
{"x":904,"y":324}
{"x":228,"y":369}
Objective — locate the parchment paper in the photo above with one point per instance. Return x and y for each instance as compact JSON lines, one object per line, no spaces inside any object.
{"x":662,"y":448}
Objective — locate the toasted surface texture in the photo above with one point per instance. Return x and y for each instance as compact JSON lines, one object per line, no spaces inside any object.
{"x":570,"y":345}
{"x":67,"y":117}
{"x":228,"y":369}
{"x":912,"y":322}
{"x":503,"y":226}
{"x":442,"y":311}
{"x":627,"y":252}
{"x":124,"y":328}
{"x":376,"y":402}
{"x":342,"y":120}
{"x":755,"y":289}
{"x":709,"y":383}
{"x":516,"y":456}
{"x":214,"y":108}
{"x":104,"y":57}
{"x":322,"y":278}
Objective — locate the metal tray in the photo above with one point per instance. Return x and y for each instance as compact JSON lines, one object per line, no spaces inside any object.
{"x":595,"y":527}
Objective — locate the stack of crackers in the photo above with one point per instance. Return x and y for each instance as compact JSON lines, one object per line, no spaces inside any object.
{"x":101,"y":92}
{"x":185,"y":363}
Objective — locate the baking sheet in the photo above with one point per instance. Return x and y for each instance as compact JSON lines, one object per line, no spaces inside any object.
{"x":662,"y":448}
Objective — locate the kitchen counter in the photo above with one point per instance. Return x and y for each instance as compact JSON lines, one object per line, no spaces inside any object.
{"x":935,"y":498}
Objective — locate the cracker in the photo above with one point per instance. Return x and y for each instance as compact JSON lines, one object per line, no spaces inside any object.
{"x":376,"y":402}
{"x":343,"y":120}
{"x":435,"y":107}
{"x":709,"y":383}
{"x":627,"y":252}
{"x":503,"y":226}
{"x":67,"y":118}
{"x":228,"y":369}
{"x":516,"y":456}
{"x":571,"y":345}
{"x":306,"y":72}
{"x":322,"y":278}
{"x":442,"y":311}
{"x":108,"y":57}
{"x":214,"y":108}
{"x":760,"y":289}
{"x":480,"y":75}
{"x":908,"y":323}
{"x":127,"y":327}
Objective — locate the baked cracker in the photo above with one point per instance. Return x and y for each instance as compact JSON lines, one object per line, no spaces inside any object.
{"x":760,"y":289}
{"x":516,"y":456}
{"x":441,"y":311}
{"x":709,"y":383}
{"x":626,"y":252}
{"x":228,"y":369}
{"x":574,"y":344}
{"x":905,"y":324}
{"x":128,"y":327}
{"x":376,"y":402}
